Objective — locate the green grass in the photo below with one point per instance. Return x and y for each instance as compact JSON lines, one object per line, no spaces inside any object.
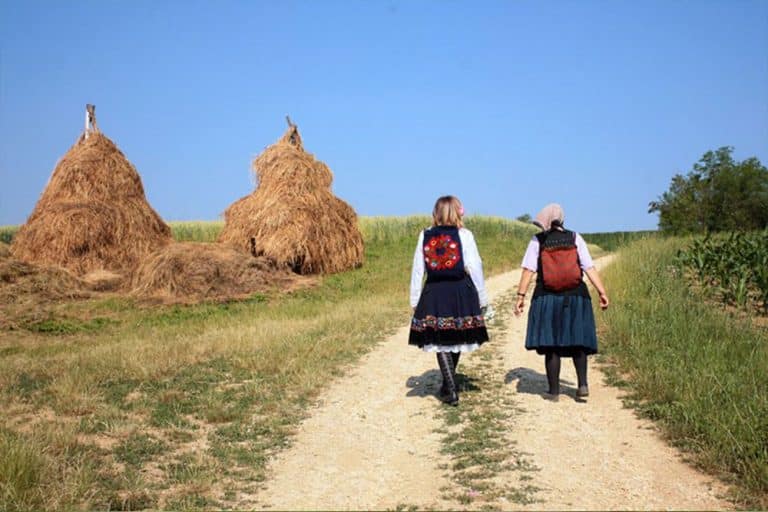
{"x":7,"y":232}
{"x":617,"y":239}
{"x":221,"y":384}
{"x":196,"y":231}
{"x":486,"y":466}
{"x":693,"y":368}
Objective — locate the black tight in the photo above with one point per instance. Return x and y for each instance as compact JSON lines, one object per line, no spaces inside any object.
{"x":552,"y":364}
{"x":455,"y":356}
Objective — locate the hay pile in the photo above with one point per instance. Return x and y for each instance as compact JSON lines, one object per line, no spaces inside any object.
{"x":93,"y":213}
{"x":5,"y":250}
{"x":292,"y":217}
{"x":188,"y":272}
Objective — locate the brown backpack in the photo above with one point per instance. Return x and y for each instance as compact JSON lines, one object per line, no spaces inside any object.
{"x":559,"y":260}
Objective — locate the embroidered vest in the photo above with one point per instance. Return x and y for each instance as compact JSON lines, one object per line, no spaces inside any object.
{"x":442,"y":254}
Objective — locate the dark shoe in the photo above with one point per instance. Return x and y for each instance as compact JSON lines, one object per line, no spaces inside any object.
{"x":450,"y":398}
{"x":552,"y":397}
{"x":582,"y":392}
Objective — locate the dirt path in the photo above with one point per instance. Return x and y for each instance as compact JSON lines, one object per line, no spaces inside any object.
{"x":372,"y":442}
{"x":595,"y":454}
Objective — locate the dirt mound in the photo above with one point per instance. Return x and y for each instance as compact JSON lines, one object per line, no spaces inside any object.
{"x":292,"y":217}
{"x":93,"y":213}
{"x":190,"y":272}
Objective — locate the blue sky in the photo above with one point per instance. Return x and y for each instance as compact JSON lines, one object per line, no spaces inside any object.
{"x":507,"y":104}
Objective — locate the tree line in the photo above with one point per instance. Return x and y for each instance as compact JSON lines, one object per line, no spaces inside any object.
{"x":718,"y":194}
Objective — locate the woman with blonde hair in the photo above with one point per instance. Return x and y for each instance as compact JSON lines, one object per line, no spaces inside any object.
{"x":560,"y":320}
{"x":447,"y":316}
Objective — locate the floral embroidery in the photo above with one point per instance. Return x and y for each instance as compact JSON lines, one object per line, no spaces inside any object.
{"x":441,"y":253}
{"x":442,"y":323}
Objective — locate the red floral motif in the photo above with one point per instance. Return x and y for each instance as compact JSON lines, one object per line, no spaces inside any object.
{"x":441,"y":253}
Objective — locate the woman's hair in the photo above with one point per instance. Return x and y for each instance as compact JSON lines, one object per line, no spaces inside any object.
{"x":447,"y":212}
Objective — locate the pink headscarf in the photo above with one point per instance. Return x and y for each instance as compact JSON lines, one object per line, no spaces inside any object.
{"x":551,"y":213}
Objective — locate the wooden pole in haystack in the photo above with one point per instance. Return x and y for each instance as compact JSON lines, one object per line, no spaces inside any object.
{"x":90,"y":119}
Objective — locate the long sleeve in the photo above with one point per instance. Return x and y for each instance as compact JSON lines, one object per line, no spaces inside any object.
{"x":585,"y":259}
{"x":417,"y":273}
{"x":473,"y":264}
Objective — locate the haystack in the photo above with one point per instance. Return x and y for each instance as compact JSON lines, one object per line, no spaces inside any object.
{"x":192,"y":271}
{"x":93,"y":214}
{"x":293,"y":218}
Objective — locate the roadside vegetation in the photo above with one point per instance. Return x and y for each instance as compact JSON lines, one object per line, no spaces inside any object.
{"x":692,"y":366}
{"x":117,"y":405}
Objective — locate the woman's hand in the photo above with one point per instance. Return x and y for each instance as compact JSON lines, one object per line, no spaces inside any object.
{"x":519,"y":305}
{"x":522,"y":288}
{"x":604,"y":302}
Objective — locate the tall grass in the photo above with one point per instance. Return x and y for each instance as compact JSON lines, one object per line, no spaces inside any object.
{"x":196,"y":231}
{"x":698,"y":372}
{"x":617,"y":239}
{"x":181,"y":407}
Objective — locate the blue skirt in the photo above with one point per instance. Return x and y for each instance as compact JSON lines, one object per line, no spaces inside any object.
{"x":561,"y":323}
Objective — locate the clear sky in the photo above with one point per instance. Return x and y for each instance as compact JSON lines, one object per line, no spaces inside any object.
{"x":507,"y":104}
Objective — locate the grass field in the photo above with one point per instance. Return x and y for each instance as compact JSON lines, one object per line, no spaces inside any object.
{"x":117,"y":406}
{"x":692,"y":367}
{"x":617,"y":239}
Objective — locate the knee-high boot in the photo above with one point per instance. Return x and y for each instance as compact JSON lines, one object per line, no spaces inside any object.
{"x":451,"y":395}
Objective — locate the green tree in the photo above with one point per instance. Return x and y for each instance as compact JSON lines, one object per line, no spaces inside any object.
{"x":524,"y":218}
{"x":719,"y":194}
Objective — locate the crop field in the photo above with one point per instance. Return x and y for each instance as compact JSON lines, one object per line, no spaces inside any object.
{"x":733,"y":268}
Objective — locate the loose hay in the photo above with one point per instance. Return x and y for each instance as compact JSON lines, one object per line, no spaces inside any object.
{"x":189,"y":272}
{"x":103,"y":281}
{"x":5,"y":250}
{"x":292,"y":217}
{"x":25,"y":289}
{"x":93,"y":213}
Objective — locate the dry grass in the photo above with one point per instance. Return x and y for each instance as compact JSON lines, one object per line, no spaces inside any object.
{"x":292,"y":217}
{"x":190,"y":272}
{"x":93,"y":214}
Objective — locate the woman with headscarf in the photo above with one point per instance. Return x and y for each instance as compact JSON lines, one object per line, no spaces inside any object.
{"x":560,"y":319}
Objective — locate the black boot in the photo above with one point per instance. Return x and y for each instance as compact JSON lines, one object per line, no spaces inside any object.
{"x":455,"y":358}
{"x":450,"y":395}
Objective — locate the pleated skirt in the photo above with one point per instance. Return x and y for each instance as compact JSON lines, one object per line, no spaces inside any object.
{"x":565,"y":324}
{"x":448,"y":318}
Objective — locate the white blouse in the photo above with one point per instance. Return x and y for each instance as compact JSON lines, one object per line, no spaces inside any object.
{"x":473,"y":266}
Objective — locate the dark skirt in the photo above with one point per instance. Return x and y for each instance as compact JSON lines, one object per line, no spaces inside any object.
{"x":562,"y":324}
{"x":448,"y":313}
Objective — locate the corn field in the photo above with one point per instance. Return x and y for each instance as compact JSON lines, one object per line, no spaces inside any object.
{"x":734,"y":267}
